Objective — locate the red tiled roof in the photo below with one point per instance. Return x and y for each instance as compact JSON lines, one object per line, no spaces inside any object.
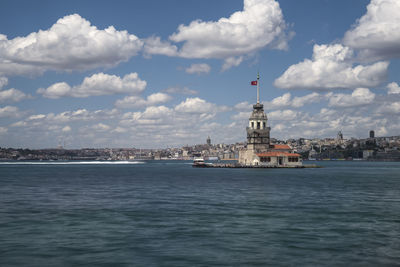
{"x":281,"y":147}
{"x":278,"y":154}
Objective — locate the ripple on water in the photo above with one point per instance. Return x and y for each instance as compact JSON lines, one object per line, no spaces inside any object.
{"x":172,"y":214}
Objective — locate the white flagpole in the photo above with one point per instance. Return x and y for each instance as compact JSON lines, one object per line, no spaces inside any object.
{"x":258,"y":88}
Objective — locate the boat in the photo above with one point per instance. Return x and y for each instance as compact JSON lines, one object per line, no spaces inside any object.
{"x":199,"y":162}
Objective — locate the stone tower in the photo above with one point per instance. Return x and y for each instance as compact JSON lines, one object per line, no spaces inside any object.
{"x":259,"y":151}
{"x":371,"y":134}
{"x":258,"y":139}
{"x":257,"y":131}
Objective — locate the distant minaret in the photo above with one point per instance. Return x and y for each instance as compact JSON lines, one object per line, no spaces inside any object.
{"x":209,"y":141}
{"x":258,"y":137}
{"x":340,"y":136}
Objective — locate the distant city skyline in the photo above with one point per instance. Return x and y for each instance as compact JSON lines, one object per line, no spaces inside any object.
{"x":156,"y":74}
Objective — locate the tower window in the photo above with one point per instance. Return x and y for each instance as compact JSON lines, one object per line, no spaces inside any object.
{"x":252,"y":124}
{"x":264,"y":125}
{"x":258,"y":125}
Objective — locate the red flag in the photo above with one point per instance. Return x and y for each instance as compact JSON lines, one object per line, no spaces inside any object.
{"x":253,"y":82}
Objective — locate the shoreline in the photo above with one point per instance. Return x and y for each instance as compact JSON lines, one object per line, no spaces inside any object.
{"x":222,"y":165}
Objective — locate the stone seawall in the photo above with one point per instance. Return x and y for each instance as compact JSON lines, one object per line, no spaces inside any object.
{"x":230,"y":165}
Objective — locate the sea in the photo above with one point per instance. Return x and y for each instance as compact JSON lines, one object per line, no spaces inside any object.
{"x":167,"y":213}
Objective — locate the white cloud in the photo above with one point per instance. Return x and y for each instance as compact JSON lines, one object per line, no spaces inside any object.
{"x":332,"y":68}
{"x":355,"y":114}
{"x":9,"y":111}
{"x":360,"y":96}
{"x":180,"y":90}
{"x":3,"y":130}
{"x":198,"y":69}
{"x":12,"y":95}
{"x":154,"y":46}
{"x":195,"y":105}
{"x":136,"y":101}
{"x":188,"y":112}
{"x":80,"y":115}
{"x":36,"y":117}
{"x":198,"y":109}
{"x":178,"y":125}
{"x":72,"y":43}
{"x":291,"y":124}
{"x":231,"y":62}
{"x":389,"y":108}
{"x":151,"y":116}
{"x":66,"y":129}
{"x":286,"y":100}
{"x":120,"y":130}
{"x":394,"y":88}
{"x":158,"y":98}
{"x":259,"y":25}
{"x":279,"y":128}
{"x":283,"y":115}
{"x":188,"y":123}
{"x":3,"y":81}
{"x":300,"y":101}
{"x":95,"y":85}
{"x":19,"y":124}
{"x":246,"y":106}
{"x":56,"y":90}
{"x":280,"y":101}
{"x":241,"y":116}
{"x":156,"y":113}
{"x":377,"y":33}
{"x":101,"y":127}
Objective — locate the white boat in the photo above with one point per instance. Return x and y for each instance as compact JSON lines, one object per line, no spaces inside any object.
{"x":199,"y":162}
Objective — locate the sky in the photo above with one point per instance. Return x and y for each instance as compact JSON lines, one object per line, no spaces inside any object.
{"x":158,"y":74}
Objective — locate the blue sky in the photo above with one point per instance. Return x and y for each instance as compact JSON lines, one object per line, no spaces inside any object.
{"x":169,"y":73}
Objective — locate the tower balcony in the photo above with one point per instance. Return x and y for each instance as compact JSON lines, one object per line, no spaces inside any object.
{"x":259,"y":131}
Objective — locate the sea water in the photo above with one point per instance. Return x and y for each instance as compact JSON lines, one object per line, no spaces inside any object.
{"x":159,"y":213}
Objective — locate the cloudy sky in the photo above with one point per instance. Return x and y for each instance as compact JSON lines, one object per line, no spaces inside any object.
{"x":156,"y":74}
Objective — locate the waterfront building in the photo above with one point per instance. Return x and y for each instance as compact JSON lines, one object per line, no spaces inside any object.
{"x":259,"y":150}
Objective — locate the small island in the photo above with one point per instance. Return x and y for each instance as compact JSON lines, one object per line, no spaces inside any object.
{"x":259,"y":152}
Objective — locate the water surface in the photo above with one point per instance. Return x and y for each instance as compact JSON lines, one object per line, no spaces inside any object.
{"x":160,"y":213}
